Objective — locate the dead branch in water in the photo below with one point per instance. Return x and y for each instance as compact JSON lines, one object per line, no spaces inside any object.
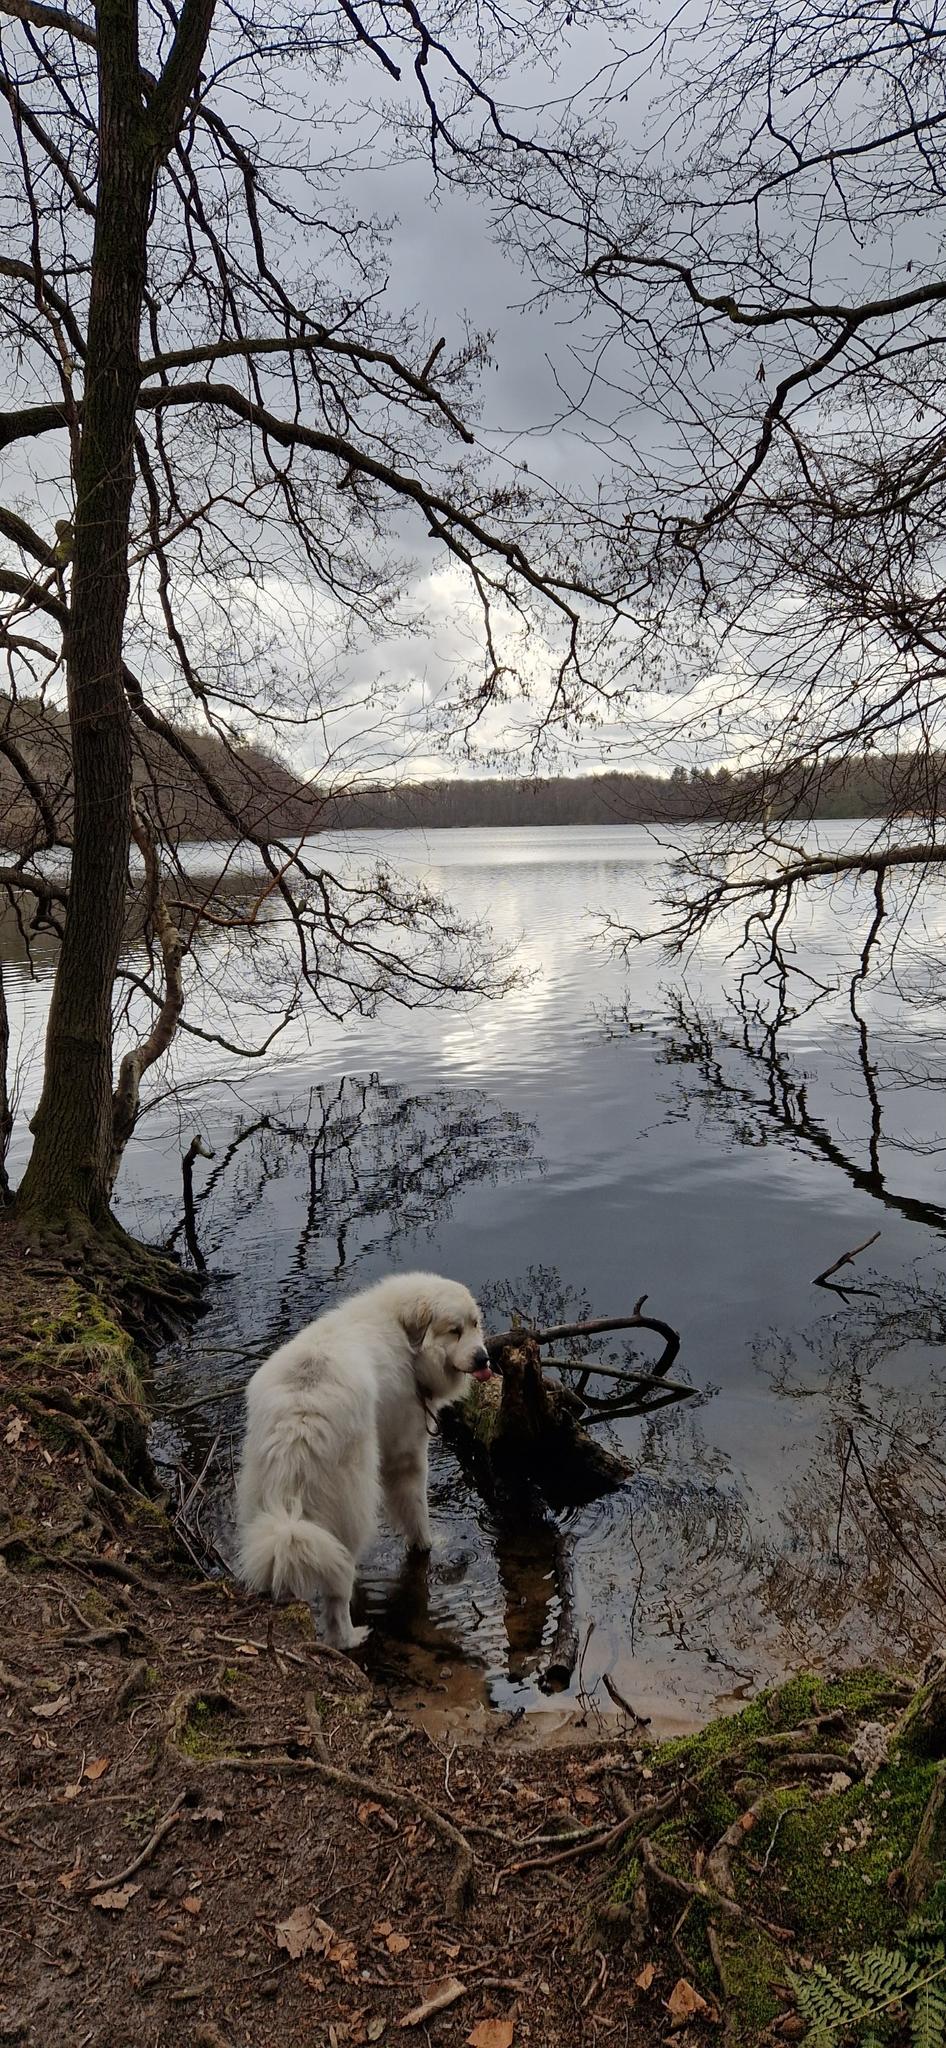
{"x":598,"y":1326}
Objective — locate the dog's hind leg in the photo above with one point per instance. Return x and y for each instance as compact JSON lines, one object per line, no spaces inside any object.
{"x":404,"y":1480}
{"x":340,"y":1630}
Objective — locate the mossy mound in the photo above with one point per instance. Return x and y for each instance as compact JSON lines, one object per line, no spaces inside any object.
{"x":809,"y":1827}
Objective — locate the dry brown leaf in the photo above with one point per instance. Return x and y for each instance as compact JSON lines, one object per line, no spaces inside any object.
{"x":645,"y":1977}
{"x":382,"y":1928}
{"x":70,"y":1878}
{"x":375,"y":2029}
{"x":684,"y":2002}
{"x":397,"y":1943}
{"x":586,"y":1796}
{"x":343,"y":1954}
{"x":192,"y":1904}
{"x":303,"y":1933}
{"x":747,"y":1821}
{"x":444,"y":1992}
{"x":15,"y":1431}
{"x":47,"y":1708}
{"x":492,"y":2034}
{"x":115,"y":1902}
{"x":97,"y":1768}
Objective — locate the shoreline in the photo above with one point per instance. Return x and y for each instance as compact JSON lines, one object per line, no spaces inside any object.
{"x":217,"y":1832}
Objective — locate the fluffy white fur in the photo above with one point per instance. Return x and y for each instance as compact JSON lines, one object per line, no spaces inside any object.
{"x":337,"y":1418}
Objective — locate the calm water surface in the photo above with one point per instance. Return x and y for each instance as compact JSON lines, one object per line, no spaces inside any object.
{"x":607,"y":1130}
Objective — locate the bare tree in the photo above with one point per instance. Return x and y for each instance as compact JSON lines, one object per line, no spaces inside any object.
{"x":762,"y":344}
{"x":237,"y":434}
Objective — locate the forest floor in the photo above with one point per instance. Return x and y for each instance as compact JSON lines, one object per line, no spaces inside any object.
{"x":218,"y":1833}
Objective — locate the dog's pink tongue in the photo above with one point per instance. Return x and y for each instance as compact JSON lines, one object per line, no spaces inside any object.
{"x":483,"y":1372}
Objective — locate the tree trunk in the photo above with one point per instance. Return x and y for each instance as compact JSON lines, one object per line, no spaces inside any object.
{"x":67,"y":1179}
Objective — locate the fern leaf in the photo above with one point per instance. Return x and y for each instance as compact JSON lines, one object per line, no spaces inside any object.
{"x":928,"y":2026}
{"x":883,"y":1973}
{"x":824,"y":2002}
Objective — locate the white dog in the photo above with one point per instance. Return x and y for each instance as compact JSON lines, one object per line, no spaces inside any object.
{"x":340,"y":1415}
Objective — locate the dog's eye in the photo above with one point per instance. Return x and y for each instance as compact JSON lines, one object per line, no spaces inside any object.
{"x":457,"y":1330}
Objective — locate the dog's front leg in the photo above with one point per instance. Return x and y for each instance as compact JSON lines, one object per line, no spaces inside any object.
{"x":404,"y":1480}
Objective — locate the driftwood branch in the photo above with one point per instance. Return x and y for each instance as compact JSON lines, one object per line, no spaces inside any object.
{"x":558,"y":1333}
{"x":195,"y":1150}
{"x":846,"y":1259}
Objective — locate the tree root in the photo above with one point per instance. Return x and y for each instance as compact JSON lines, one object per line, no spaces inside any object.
{"x":591,"y":1842}
{"x":460,"y":1888}
{"x":685,"y":1888}
{"x":51,"y":1407}
{"x":101,"y":1884}
{"x":718,"y":1865}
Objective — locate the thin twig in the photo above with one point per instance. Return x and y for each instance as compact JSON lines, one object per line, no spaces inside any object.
{"x":101,"y":1884}
{"x":846,"y":1259}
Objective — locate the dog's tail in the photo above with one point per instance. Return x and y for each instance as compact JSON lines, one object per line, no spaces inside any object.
{"x":284,"y":1554}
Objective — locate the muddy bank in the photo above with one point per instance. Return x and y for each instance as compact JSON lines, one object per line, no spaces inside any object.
{"x":216,"y":1832}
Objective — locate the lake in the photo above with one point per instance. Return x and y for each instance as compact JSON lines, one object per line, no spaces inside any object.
{"x":607,"y":1130}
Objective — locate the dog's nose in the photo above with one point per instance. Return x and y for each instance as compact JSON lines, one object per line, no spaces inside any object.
{"x":480,"y":1356}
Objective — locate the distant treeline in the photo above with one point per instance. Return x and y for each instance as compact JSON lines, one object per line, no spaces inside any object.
{"x":245,"y":786}
{"x":867,"y":788}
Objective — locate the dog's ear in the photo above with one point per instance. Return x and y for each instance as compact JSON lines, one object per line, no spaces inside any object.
{"x":416,"y":1318}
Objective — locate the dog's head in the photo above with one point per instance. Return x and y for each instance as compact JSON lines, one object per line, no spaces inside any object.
{"x":444,"y":1330}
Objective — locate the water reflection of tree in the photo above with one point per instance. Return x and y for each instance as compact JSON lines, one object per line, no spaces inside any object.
{"x":363,"y":1161}
{"x":869,"y":1511}
{"x":854,"y":1556}
{"x":768,"y":1099}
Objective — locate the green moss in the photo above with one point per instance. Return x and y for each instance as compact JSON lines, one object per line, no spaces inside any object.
{"x":81,"y":1336}
{"x":481,"y":1412}
{"x":202,"y":1725}
{"x":753,"y":1972}
{"x":833,"y":1857}
{"x":822,"y":1864}
{"x":299,"y":1617}
{"x":627,"y":1881}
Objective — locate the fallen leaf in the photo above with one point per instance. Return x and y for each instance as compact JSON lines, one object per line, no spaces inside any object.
{"x":370,"y":1808}
{"x":646,"y":1977}
{"x":586,"y":1796}
{"x":312,"y":1983}
{"x":492,"y":2034}
{"x":97,"y":1768}
{"x":684,"y":2002}
{"x":303,"y":1933}
{"x":397,"y":1943}
{"x":191,"y":1904}
{"x":444,"y":1992}
{"x":47,"y":1708}
{"x":70,"y":1878}
{"x":247,"y":1650}
{"x":375,"y":2029}
{"x":115,"y":1902}
{"x":383,"y":1927}
{"x":213,"y":1815}
{"x":15,"y":1431}
{"x":747,"y":1822}
{"x":343,"y":1954}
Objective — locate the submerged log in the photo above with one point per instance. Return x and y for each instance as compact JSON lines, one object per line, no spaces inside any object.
{"x":520,"y":1430}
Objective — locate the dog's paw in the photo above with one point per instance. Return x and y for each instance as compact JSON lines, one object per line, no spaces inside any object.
{"x":355,"y":1638}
